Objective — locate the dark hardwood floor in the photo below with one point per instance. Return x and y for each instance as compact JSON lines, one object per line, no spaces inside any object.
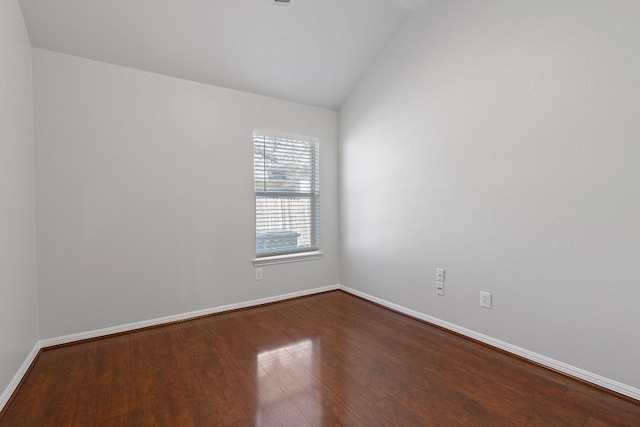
{"x":326,"y":360}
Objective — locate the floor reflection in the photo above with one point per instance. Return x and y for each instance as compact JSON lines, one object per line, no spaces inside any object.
{"x":287,"y":385}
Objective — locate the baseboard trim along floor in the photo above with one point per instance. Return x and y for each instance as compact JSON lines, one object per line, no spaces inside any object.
{"x":558,"y":366}
{"x":17,"y":378}
{"x":555,"y":365}
{"x":50,"y":342}
{"x":67,"y":339}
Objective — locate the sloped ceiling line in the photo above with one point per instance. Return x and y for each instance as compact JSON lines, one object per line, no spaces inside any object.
{"x":312,"y":51}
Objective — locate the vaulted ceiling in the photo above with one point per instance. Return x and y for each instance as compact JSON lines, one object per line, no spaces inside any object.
{"x":308,"y":51}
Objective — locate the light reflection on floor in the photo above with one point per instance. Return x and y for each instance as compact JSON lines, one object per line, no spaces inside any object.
{"x":287,"y":384}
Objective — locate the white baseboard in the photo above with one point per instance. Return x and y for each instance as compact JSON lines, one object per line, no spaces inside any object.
{"x":526,"y":354}
{"x":178,"y":317}
{"x":4,"y":398}
{"x":534,"y":357}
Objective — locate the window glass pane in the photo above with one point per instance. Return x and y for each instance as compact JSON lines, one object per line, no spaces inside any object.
{"x":287,"y":195}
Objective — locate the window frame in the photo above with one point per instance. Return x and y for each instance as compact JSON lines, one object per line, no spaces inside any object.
{"x":295,"y":255}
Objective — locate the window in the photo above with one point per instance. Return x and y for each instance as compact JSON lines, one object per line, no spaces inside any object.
{"x":287,"y":195}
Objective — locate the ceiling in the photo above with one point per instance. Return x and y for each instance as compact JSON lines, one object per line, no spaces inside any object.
{"x":309,"y":51}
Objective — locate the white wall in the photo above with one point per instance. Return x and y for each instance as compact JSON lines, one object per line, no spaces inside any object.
{"x":501,"y":141}
{"x":18,"y":296}
{"x":145,"y":194}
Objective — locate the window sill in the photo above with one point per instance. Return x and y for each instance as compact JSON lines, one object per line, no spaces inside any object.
{"x":283,"y":259}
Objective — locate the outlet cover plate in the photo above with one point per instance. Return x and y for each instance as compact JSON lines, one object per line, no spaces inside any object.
{"x":485,"y":299}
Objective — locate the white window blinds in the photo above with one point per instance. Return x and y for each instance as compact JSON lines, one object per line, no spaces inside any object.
{"x":287,"y":195}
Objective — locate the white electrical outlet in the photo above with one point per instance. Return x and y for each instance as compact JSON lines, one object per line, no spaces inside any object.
{"x":258,"y":274}
{"x":440,"y":281}
{"x":485,"y":299}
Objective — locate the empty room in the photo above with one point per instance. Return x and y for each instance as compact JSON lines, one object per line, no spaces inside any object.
{"x":319,"y":212}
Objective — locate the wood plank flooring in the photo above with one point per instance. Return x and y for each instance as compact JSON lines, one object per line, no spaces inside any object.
{"x":326,"y":360}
